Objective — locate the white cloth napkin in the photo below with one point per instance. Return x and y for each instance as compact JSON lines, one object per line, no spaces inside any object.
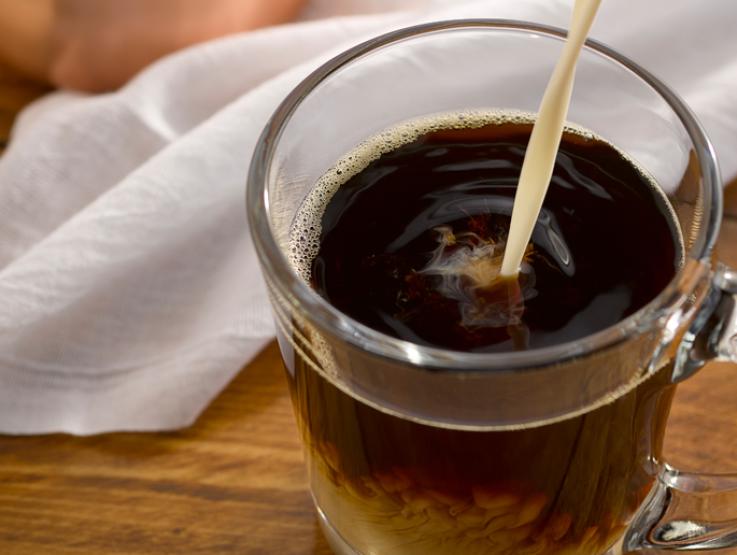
{"x":129,"y":290}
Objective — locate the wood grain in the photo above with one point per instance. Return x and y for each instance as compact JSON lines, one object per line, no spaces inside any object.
{"x":234,"y":482}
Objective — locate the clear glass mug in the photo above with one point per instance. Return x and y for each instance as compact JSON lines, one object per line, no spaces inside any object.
{"x":417,"y":450}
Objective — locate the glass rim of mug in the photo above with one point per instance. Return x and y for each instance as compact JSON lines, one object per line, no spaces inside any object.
{"x":280,"y":273}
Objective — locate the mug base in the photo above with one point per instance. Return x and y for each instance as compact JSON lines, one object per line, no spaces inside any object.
{"x":336,"y":542}
{"x":339,"y":546}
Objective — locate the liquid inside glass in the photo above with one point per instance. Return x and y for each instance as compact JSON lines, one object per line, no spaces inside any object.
{"x":405,"y":235}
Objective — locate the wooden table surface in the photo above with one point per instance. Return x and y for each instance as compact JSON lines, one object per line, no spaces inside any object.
{"x":234,"y":482}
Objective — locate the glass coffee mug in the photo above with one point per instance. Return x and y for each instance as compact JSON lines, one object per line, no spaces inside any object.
{"x":420,"y":450}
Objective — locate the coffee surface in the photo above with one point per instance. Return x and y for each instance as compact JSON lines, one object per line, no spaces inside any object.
{"x":412,"y":244}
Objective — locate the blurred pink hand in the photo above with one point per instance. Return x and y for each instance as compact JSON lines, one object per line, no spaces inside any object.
{"x":97,"y":45}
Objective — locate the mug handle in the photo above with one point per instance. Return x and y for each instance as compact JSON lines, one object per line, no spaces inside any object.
{"x":684,"y":511}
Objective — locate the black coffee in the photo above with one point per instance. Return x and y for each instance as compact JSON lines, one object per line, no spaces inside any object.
{"x":407,"y":243}
{"x":406,"y":246}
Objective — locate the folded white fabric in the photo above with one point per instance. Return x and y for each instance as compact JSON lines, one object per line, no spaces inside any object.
{"x":129,"y":290}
